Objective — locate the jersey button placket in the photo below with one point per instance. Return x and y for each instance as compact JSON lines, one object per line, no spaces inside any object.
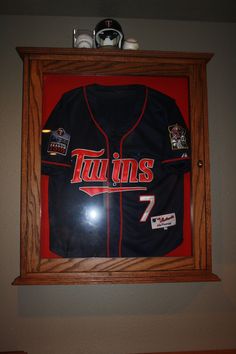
{"x":114,"y":212}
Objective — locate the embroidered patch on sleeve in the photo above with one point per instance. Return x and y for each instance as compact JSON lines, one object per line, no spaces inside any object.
{"x":58,"y":142}
{"x":177,"y":137}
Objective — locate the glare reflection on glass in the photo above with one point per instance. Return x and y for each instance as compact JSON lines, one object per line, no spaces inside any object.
{"x":92,"y":215}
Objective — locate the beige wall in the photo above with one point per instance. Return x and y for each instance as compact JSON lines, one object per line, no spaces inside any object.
{"x":120,"y":319}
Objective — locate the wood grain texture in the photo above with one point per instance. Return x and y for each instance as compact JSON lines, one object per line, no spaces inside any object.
{"x":68,"y":54}
{"x":144,"y":277}
{"x":198,"y":173}
{"x":34,"y":166}
{"x":34,"y":270}
{"x":116,"y":264}
{"x":24,"y":168}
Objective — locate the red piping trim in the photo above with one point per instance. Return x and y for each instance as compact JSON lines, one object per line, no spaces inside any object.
{"x":108,"y":156}
{"x":56,"y":163}
{"x":121,"y":156}
{"x":176,"y":159}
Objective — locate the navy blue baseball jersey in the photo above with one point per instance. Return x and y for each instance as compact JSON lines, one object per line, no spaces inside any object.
{"x":116,"y":158}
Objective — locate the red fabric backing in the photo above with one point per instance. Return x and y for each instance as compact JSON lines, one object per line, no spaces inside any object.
{"x":54,"y":86}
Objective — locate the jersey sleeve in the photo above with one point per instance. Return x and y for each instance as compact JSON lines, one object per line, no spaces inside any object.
{"x":56,"y":136}
{"x":177,"y":151}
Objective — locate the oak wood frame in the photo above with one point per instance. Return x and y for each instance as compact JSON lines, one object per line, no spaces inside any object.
{"x":34,"y":270}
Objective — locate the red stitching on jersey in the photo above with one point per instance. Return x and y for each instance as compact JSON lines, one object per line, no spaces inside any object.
{"x":176,"y":159}
{"x":56,"y":163}
{"x":108,"y":172}
{"x":108,"y":156}
{"x":121,"y":156}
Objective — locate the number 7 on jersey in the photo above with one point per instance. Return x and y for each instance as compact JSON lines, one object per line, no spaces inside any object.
{"x":151,"y":201}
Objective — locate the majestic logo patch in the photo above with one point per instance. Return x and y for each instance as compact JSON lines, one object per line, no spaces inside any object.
{"x":163,"y":221}
{"x":58,"y":142}
{"x":177,"y":137}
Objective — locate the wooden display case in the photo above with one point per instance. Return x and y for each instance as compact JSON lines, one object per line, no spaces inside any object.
{"x":51,"y":72}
